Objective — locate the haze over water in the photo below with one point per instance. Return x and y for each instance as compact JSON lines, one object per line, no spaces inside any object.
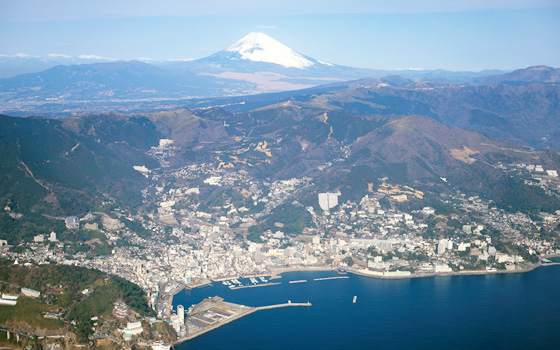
{"x":515,"y":311}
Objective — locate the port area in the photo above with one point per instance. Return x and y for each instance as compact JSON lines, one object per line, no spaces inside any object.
{"x":214,"y":312}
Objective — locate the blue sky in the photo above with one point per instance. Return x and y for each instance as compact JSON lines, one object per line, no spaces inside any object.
{"x":383,"y":34}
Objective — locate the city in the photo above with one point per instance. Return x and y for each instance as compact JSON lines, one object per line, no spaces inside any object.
{"x":173,"y":242}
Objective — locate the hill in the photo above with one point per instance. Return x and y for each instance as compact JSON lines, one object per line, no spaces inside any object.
{"x":61,"y":290}
{"x":65,"y":167}
{"x":530,"y":75}
{"x":109,"y":80}
{"x":523,"y":114}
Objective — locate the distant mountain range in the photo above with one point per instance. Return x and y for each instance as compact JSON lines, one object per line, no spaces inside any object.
{"x":519,"y":106}
{"x":255,"y":64}
{"x":12,"y":65}
{"x":106,"y":81}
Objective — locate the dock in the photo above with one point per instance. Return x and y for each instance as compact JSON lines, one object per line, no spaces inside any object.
{"x":256,"y":285}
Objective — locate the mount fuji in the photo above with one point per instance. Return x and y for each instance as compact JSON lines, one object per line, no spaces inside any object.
{"x":259,"y":47}
{"x":270,"y":65}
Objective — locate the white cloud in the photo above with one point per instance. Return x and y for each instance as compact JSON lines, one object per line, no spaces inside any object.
{"x":58,"y":55}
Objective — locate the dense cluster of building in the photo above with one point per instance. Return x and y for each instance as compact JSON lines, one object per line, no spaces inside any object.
{"x":191,"y":243}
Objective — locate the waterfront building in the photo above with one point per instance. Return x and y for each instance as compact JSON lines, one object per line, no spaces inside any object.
{"x":181,"y":314}
{"x":442,"y":267}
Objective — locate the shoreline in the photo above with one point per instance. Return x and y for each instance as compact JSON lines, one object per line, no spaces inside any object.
{"x":455,"y":273}
{"x":279,"y":271}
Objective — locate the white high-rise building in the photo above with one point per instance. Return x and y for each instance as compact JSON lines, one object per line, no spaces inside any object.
{"x":328,"y":200}
{"x":181,"y":313}
{"x":52,"y":236}
{"x":442,"y":246}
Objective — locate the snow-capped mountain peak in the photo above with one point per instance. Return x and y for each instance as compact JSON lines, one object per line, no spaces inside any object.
{"x":259,"y":47}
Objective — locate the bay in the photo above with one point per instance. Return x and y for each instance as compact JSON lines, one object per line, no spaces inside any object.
{"x":515,"y":311}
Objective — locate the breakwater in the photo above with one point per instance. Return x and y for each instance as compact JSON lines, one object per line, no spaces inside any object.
{"x":330,"y":278}
{"x":288,"y":304}
{"x":256,"y":285}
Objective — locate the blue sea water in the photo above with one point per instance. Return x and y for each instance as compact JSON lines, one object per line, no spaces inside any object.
{"x":509,"y":311}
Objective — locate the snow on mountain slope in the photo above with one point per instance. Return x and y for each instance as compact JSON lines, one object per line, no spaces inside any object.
{"x":259,"y":47}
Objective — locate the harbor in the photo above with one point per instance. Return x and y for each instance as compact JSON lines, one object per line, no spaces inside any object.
{"x":256,"y":281}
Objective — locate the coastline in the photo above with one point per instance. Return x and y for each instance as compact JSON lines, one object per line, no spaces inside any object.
{"x":250,"y":310}
{"x":455,"y":273}
{"x":279,"y":271}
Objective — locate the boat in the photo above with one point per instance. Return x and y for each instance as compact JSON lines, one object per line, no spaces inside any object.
{"x":354,"y":300}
